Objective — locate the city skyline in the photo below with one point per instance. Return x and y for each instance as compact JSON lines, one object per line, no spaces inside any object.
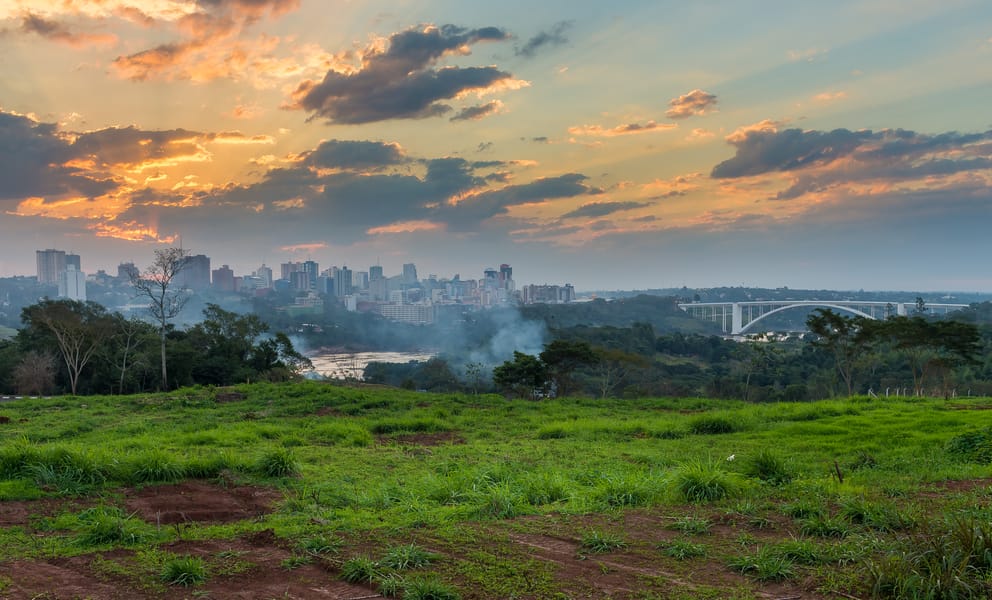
{"x":627,"y":145}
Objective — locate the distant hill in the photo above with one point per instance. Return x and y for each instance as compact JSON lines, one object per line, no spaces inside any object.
{"x":662,"y":312}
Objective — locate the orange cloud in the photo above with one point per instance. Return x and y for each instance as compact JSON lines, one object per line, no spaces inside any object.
{"x":625,"y":129}
{"x":406,"y":227}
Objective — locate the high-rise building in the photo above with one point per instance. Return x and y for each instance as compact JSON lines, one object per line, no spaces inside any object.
{"x":288,"y":268}
{"x":409,"y":273}
{"x":73,"y":260}
{"x":360,"y":280}
{"x":342,"y":282}
{"x":72,"y":284}
{"x":223,"y":279}
{"x":195,"y":274}
{"x":51,"y":264}
{"x":126,"y":271}
{"x":312,"y":270}
{"x":506,"y":277}
{"x":375,"y":273}
{"x":265,"y":275}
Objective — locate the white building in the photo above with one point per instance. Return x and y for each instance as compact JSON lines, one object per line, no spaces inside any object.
{"x":72,"y":284}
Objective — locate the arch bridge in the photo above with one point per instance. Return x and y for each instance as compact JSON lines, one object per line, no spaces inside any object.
{"x":736,"y":318}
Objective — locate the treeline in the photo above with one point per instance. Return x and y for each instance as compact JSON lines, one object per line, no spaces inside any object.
{"x":74,"y":347}
{"x":914,"y":355}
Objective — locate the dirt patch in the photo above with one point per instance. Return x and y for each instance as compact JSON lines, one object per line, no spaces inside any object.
{"x":423,"y":439}
{"x":199,"y":501}
{"x":224,"y":397}
{"x":4,"y":420}
{"x":21,"y":512}
{"x":964,"y":485}
{"x":328,"y":411}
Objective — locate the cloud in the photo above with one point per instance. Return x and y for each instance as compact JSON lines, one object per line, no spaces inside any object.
{"x":545,"y":39}
{"x":474,"y":113}
{"x":820,"y":160}
{"x":403,"y":80}
{"x":357,"y":155}
{"x":469,"y":211}
{"x":625,"y":129}
{"x":829,"y":96}
{"x":695,"y":103}
{"x":58,"y":32}
{"x":601,"y":209}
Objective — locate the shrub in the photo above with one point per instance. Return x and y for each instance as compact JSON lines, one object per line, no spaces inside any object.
{"x":546,"y":488}
{"x":768,"y":467}
{"x":279,"y":462}
{"x":407,"y":426}
{"x":600,"y":542}
{"x":699,"y":481}
{"x":184,"y":570}
{"x":712,"y":424}
{"x":974,"y":446}
{"x":683,"y":549}
{"x":360,"y":569}
{"x":410,"y":556}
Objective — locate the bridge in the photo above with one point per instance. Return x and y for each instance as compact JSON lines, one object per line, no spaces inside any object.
{"x":736,"y":318}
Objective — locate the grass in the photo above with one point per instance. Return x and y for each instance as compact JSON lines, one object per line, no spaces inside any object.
{"x":184,"y":571}
{"x":362,"y":487}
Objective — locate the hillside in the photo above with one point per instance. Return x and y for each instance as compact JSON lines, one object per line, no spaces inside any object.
{"x":311,"y":490}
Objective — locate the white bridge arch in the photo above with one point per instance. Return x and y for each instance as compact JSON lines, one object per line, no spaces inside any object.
{"x":736,"y":318}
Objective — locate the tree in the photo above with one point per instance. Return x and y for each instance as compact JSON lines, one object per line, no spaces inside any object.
{"x":931,"y":345}
{"x":524,"y":376}
{"x":157,"y":284}
{"x":561,"y":358}
{"x":846,"y":338}
{"x":613,"y":368}
{"x":79,"y":329}
{"x":35,"y":374}
{"x":128,"y":337}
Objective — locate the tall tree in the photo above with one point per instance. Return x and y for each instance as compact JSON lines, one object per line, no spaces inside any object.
{"x":79,"y":330}
{"x":165,"y":300}
{"x":931,"y":345}
{"x":846,"y":338}
{"x":562,"y":358}
{"x":525,"y":376}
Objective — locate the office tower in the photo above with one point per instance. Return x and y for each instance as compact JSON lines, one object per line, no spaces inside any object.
{"x":265,"y":275}
{"x":311,"y":269}
{"x":342,"y":282}
{"x":73,"y":260}
{"x":72,"y":284}
{"x":375,"y":273}
{"x":51,"y":263}
{"x":288,"y":268}
{"x":506,"y":277}
{"x":360,"y":280}
{"x":196,"y":273}
{"x":223,"y":279}
{"x":409,"y":273}
{"x":125,"y":271}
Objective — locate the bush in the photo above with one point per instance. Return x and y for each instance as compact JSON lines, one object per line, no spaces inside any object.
{"x":633,"y":489}
{"x":712,"y":424}
{"x":278,"y":463}
{"x":699,"y":481}
{"x":974,"y":446}
{"x":768,"y":467}
{"x":184,"y":570}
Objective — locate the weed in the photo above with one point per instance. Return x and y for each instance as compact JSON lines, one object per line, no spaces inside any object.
{"x":391,"y":585}
{"x":875,"y":515}
{"x":692,"y":525}
{"x":296,"y":561}
{"x":152,"y":466}
{"x":803,"y":508}
{"x":429,"y":588}
{"x":769,"y":467}
{"x":185,"y":571}
{"x":974,"y":446}
{"x":626,"y":489}
{"x":703,"y":481}
{"x":500,"y":501}
{"x":319,"y":545}
{"x":360,"y":569}
{"x":801,"y":551}
{"x":683,"y":549}
{"x":546,"y":488}
{"x":863,"y":460}
{"x":106,"y":526}
{"x":409,"y":556}
{"x":764,"y":565}
{"x":279,"y":462}
{"x":601,"y":542}
{"x":824,"y":526}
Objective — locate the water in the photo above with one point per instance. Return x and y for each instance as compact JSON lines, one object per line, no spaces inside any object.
{"x":351,"y":365}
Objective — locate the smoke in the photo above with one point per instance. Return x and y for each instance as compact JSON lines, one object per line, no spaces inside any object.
{"x":512,"y":333}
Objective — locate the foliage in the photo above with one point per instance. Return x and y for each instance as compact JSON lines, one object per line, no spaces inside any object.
{"x":692,"y":525}
{"x":278,"y":462}
{"x":360,"y":569}
{"x":165,"y":302}
{"x":703,"y":481}
{"x":428,"y":588}
{"x":408,"y":556}
{"x":184,"y":571}
{"x":712,"y":424}
{"x":973,"y":446}
{"x":764,"y":565}
{"x":768,"y":466}
{"x":523,"y":377}
{"x":683,"y":549}
{"x":601,"y":542}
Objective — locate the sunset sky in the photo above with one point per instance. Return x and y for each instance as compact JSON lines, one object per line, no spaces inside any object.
{"x":613,"y":145}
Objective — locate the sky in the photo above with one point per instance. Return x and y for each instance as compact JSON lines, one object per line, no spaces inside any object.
{"x":612,"y":145}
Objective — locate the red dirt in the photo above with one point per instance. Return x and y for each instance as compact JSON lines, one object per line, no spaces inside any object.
{"x":21,"y":512}
{"x":200,"y":502}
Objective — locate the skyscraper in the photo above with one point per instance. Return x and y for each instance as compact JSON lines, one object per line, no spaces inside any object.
{"x":265,"y":274}
{"x":196,"y":274}
{"x":375,"y":273}
{"x":51,"y":264}
{"x":73,"y":260}
{"x":342,"y":282}
{"x":72,"y":284}
{"x":223,"y":279}
{"x":409,"y":273}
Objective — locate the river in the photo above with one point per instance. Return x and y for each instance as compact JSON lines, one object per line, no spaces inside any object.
{"x":351,"y":365}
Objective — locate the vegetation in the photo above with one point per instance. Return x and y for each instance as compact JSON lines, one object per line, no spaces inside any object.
{"x":409,"y":493}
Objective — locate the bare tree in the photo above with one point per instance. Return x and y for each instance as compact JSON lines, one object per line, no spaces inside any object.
{"x":79,"y":329}
{"x":35,"y":374}
{"x":128,"y":334}
{"x":157,"y":284}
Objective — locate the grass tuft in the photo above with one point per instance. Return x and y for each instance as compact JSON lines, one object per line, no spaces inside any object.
{"x":184,"y":571}
{"x":703,"y":481}
{"x":683,"y":549}
{"x":279,"y":462}
{"x":409,"y":556}
{"x":768,"y":467}
{"x":601,"y":542}
{"x":360,"y":569}
{"x":764,"y":565}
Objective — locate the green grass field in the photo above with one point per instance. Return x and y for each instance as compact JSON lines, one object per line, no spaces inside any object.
{"x":443,"y":496}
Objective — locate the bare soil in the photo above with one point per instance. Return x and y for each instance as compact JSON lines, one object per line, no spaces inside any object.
{"x":199,"y":501}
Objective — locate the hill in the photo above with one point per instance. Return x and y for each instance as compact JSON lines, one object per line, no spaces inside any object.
{"x":310,"y":490}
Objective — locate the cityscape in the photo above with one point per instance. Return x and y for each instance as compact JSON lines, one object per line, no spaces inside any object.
{"x":404,"y":297}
